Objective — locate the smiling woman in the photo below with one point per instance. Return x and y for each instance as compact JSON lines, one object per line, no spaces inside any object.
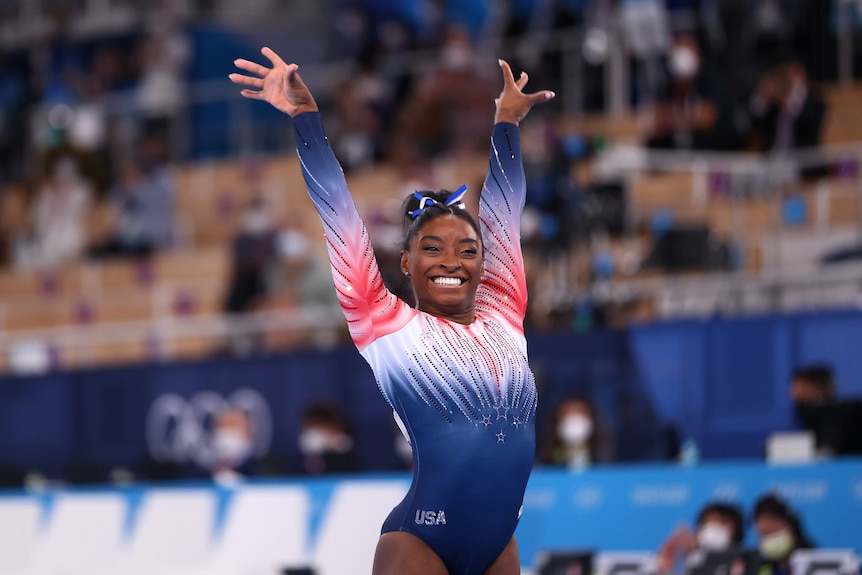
{"x":442,"y":254}
{"x":454,"y":369}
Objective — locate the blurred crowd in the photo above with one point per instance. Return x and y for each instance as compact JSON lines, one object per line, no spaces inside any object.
{"x":93,"y":124}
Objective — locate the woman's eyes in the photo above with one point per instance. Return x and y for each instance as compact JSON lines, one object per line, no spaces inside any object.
{"x":467,"y":252}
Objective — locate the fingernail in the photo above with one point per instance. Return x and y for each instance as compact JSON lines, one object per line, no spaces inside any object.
{"x":499,"y":61}
{"x":551,"y":95}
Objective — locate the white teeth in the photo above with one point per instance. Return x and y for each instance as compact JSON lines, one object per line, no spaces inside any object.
{"x":447,"y":281}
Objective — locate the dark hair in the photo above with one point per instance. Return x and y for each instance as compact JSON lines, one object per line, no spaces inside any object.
{"x":820,"y":376}
{"x":431,"y":212}
{"x":731,"y":513}
{"x":772,"y":504}
{"x":326,"y":413}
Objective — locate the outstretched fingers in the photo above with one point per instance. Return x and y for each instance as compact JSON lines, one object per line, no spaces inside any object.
{"x":246,"y":80}
{"x":251,"y":67}
{"x":539,"y":97}
{"x":272,"y":56}
{"x":508,"y":78}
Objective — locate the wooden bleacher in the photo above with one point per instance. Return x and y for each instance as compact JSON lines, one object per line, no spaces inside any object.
{"x":191,"y":281}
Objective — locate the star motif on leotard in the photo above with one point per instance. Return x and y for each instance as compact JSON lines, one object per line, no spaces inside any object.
{"x":516,"y":421}
{"x":501,"y":411}
{"x":501,"y":437}
{"x":486,"y":420}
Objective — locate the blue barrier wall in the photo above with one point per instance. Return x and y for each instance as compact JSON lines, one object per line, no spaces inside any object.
{"x":631,"y":508}
{"x":722,"y":382}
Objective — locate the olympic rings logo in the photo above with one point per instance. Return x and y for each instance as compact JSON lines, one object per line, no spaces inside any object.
{"x":180,"y":430}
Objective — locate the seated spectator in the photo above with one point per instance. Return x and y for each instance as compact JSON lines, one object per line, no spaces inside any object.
{"x":59,"y":219}
{"x":252,"y":255}
{"x":232,"y":446}
{"x":694,"y":113}
{"x":326,"y":441}
{"x":574,"y":439}
{"x":142,"y":201}
{"x":786,"y":111}
{"x":812,"y":384}
{"x":779,"y":533}
{"x":441,"y":115}
{"x":835,"y":423}
{"x":720,"y":526}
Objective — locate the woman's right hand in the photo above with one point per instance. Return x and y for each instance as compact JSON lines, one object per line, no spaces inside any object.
{"x":280,"y":85}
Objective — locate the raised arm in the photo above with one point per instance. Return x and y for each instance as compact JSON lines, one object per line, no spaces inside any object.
{"x":369,"y":307}
{"x":504,"y":287}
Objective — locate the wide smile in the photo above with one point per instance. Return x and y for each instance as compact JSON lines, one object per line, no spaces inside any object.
{"x":448,"y":281}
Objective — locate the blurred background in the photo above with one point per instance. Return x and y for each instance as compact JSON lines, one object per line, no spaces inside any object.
{"x":174,"y":367}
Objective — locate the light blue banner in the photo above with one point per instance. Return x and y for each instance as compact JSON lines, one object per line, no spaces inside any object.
{"x":630,"y":508}
{"x":636,"y":508}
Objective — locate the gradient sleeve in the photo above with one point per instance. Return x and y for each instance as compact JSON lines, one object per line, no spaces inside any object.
{"x":371,"y":309}
{"x":504,"y":286}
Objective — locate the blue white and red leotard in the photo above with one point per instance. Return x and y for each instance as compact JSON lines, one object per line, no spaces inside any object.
{"x":464,"y":394}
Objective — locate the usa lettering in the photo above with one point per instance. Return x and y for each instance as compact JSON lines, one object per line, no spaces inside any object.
{"x":430,"y":517}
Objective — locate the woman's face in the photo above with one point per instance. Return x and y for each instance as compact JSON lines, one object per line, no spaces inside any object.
{"x":767,"y":524}
{"x":444,"y":263}
{"x":776,"y":537}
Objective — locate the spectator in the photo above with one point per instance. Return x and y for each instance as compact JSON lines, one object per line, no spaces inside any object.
{"x":441,"y":115}
{"x":694,"y":113}
{"x":787,"y":113}
{"x":164,"y":55}
{"x":835,"y":423}
{"x":720,"y":526}
{"x":299,"y":279}
{"x":142,"y":201}
{"x":646,"y":30}
{"x":59,"y":219}
{"x":253,"y":253}
{"x":326,"y":441}
{"x":812,"y":385}
{"x":779,"y":532}
{"x":232,"y":446}
{"x":574,"y":439}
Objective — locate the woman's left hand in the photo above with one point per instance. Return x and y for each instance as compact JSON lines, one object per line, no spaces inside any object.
{"x":513,"y":104}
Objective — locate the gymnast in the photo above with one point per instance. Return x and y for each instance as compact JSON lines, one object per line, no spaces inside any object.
{"x":454,"y":368}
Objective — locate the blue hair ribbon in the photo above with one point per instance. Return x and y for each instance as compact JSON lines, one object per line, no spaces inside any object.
{"x":455,"y":199}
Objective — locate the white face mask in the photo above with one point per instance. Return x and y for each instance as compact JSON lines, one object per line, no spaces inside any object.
{"x":313,"y":441}
{"x":231,"y":446}
{"x":713,"y":537}
{"x":777,"y":546}
{"x":684,"y":62}
{"x":575,"y":429}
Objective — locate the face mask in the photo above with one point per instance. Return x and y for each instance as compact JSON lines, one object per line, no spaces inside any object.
{"x":575,"y":429}
{"x":230,"y":445}
{"x":313,"y":441}
{"x":776,"y":546}
{"x":713,"y":537}
{"x":683,"y":62}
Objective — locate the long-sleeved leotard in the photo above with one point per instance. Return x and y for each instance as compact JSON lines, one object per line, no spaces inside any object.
{"x":464,"y":394}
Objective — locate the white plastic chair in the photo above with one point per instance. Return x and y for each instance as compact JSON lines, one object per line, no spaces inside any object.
{"x":19,"y":524}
